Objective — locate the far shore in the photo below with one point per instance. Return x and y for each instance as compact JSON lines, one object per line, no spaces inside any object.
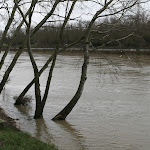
{"x":104,"y":50}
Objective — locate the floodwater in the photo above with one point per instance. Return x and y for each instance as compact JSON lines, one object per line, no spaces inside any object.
{"x":112,"y":114}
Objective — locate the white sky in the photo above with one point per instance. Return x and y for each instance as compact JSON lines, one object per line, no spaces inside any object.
{"x":83,"y":11}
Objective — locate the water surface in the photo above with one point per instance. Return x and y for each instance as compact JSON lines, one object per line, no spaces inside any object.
{"x":112,"y":114}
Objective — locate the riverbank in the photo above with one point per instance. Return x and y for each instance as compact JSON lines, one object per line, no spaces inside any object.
{"x":9,"y":122}
{"x":11,"y":138}
{"x":14,"y":140}
{"x":102,"y":50}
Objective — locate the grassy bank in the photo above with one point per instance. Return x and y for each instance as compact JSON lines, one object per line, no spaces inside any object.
{"x":11,"y":139}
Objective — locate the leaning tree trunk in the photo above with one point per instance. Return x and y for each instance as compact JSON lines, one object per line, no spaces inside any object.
{"x":56,"y":53}
{"x":23,"y":93}
{"x":11,"y":41}
{"x":20,"y":97}
{"x":8,"y":71}
{"x":11,"y":66}
{"x":53,"y":57}
{"x":65,"y":112}
{"x":8,"y":26}
{"x":4,"y":56}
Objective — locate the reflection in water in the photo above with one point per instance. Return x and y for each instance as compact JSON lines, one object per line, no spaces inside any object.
{"x":112,"y":114}
{"x":41,"y":129}
{"x":4,"y":94}
{"x":25,"y":110}
{"x":78,"y":138}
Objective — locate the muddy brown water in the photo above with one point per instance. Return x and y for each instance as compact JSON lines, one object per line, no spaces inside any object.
{"x":112,"y":114}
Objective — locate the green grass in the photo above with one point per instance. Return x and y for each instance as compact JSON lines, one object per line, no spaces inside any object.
{"x":17,"y":140}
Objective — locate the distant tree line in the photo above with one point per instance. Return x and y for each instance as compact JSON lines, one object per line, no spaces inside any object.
{"x":110,"y":29}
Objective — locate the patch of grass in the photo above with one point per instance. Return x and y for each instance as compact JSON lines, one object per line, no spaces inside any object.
{"x":17,"y":140}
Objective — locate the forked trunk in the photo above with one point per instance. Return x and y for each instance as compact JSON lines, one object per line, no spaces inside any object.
{"x":20,"y":97}
{"x":34,"y":65}
{"x":23,"y":93}
{"x":41,"y":103}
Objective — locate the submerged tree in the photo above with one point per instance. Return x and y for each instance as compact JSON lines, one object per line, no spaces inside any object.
{"x":108,"y":5}
{"x":40,"y":103}
{"x":105,"y":9}
{"x":87,"y":42}
{"x":18,"y":53}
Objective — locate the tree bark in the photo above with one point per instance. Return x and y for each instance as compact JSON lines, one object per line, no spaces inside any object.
{"x":11,"y":41}
{"x":20,"y":97}
{"x":8,"y":71}
{"x":65,"y":112}
{"x":56,"y":53}
{"x":35,"y":68}
{"x":11,"y":66}
{"x":8,"y":26}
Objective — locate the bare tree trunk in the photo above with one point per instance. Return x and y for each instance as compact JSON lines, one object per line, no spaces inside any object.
{"x":4,"y":55}
{"x":56,"y":53}
{"x":37,"y":83}
{"x":11,"y":66}
{"x":8,"y":26}
{"x":8,"y":71}
{"x":12,"y":39}
{"x":20,"y":97}
{"x":34,"y":65}
{"x":39,"y":104}
{"x":64,"y":113}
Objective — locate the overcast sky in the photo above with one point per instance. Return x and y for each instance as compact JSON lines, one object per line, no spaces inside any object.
{"x":82,"y":11}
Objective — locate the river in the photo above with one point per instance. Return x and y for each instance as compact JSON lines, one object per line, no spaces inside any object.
{"x":112,"y":114}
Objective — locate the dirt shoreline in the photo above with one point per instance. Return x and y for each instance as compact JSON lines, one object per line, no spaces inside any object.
{"x":10,"y":122}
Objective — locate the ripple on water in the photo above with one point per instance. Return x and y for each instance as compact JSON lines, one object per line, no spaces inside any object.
{"x":112,"y":114}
